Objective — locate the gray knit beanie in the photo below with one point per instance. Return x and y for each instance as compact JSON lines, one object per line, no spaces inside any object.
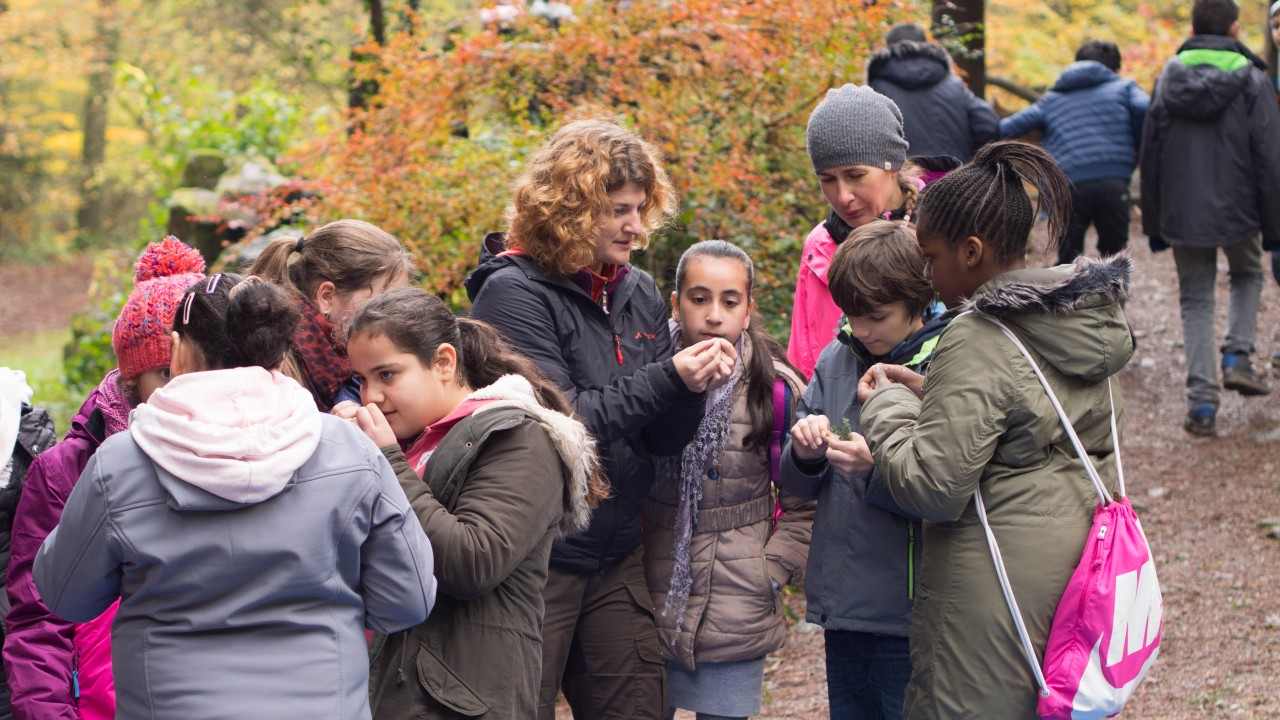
{"x":856,"y":126}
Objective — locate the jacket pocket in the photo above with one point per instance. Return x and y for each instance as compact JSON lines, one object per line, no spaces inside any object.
{"x":445,"y":687}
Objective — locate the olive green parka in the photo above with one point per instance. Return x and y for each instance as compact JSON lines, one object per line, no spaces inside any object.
{"x":496,"y":491}
{"x":985,"y":421}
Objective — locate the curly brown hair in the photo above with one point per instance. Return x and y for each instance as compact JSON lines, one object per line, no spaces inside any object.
{"x":562,"y":197}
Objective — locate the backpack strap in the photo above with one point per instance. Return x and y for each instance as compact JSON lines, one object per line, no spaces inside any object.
{"x":1090,"y":470}
{"x":781,"y":412}
{"x":781,"y":416}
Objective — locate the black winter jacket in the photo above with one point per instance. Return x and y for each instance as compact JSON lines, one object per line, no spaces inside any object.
{"x":1210,"y":158}
{"x":616,"y":371}
{"x":940,"y":116}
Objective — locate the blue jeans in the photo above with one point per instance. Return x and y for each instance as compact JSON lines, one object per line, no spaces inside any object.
{"x":867,"y":675}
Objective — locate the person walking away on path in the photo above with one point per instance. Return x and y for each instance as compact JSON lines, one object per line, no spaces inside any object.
{"x":709,"y":520}
{"x":495,"y":468}
{"x":330,"y":273}
{"x":981,"y":419}
{"x":941,"y":117}
{"x":60,"y":670}
{"x":1213,"y":116}
{"x":560,"y":288}
{"x":859,"y":153}
{"x":25,"y":432}
{"x":866,"y":548}
{"x":250,"y":538}
{"x":1091,"y":122}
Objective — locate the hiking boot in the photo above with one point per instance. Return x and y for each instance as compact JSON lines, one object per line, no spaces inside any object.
{"x":1201,"y":420}
{"x":1238,"y":374}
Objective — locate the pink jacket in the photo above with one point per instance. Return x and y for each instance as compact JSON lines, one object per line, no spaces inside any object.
{"x":814,"y":316}
{"x":57,"y":670}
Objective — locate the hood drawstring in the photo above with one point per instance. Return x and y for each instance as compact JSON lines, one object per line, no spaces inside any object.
{"x":400,"y":676}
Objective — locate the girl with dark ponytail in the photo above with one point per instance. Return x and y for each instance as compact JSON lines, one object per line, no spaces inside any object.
{"x":329,"y":273}
{"x":717,"y":625}
{"x":984,"y":422}
{"x":496,"y":468}
{"x":246,"y":529}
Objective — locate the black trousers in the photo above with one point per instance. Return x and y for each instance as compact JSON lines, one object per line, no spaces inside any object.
{"x":1103,"y":203}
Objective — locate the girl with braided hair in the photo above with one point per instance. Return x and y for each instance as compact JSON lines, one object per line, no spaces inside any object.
{"x":983,"y":421}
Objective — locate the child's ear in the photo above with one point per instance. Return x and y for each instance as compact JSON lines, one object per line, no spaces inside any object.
{"x":675,"y":305}
{"x":972,"y":251}
{"x":446,"y":363}
{"x":751,"y":310}
{"x":326,"y":295}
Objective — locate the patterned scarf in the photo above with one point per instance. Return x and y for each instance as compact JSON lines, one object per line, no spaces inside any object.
{"x":116,"y":404}
{"x":700,"y":456}
{"x":321,"y":357}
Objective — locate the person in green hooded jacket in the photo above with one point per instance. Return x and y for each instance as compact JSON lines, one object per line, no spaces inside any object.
{"x":982,"y":420}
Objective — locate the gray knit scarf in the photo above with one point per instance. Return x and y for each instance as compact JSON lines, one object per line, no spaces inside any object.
{"x":687,"y":471}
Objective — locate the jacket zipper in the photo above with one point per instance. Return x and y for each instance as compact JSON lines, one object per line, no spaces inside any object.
{"x":617,"y":341}
{"x":378,"y":651}
{"x":911,"y":561}
{"x":75,"y":674}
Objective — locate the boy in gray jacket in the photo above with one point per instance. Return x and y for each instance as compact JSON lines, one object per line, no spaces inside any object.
{"x":861,"y":582}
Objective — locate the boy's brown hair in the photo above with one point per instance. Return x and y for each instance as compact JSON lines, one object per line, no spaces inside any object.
{"x":880,"y":264}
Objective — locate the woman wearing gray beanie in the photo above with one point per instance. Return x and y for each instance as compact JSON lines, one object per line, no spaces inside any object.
{"x":859,"y":153}
{"x":858,"y":149}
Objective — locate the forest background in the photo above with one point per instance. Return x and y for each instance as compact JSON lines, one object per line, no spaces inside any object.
{"x":415,"y":116}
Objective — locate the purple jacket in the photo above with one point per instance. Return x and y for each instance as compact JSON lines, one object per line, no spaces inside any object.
{"x":41,"y":650}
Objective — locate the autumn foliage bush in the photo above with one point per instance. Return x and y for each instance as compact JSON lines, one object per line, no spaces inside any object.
{"x":723,"y":87}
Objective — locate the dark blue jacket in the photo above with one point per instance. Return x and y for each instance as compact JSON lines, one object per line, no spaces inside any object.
{"x":615,"y":369}
{"x":940,"y":116}
{"x":865,"y":547}
{"x":1091,"y":122}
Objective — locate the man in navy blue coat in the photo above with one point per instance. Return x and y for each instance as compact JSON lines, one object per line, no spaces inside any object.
{"x":1091,"y":122}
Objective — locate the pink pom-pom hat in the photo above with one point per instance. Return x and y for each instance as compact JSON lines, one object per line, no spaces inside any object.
{"x":141,"y":334}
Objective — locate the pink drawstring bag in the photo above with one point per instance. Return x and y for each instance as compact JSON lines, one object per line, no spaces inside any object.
{"x":1106,"y":631}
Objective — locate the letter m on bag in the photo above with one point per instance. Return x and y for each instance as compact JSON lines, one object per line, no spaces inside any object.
{"x":1139,"y":610}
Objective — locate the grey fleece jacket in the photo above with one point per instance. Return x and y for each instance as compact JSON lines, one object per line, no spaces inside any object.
{"x":232,"y":609}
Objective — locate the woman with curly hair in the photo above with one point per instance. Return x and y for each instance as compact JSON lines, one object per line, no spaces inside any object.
{"x":559,"y":287}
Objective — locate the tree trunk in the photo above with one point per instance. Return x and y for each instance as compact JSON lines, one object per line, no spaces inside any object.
{"x":361,"y":90}
{"x":89,"y":217}
{"x":1271,"y":48}
{"x":961,"y":27}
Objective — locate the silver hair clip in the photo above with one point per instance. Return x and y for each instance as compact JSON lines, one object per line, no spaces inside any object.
{"x":212,"y":285}
{"x":186,"y":310}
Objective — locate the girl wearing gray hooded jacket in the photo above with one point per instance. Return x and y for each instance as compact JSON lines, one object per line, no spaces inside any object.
{"x":250,"y":539}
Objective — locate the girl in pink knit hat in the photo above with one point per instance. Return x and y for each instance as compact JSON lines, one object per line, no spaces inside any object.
{"x":59,"y":669}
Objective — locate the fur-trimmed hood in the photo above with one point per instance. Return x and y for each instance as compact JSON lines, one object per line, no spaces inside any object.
{"x":572,"y":440}
{"x":910,"y":65}
{"x":1072,"y":315}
